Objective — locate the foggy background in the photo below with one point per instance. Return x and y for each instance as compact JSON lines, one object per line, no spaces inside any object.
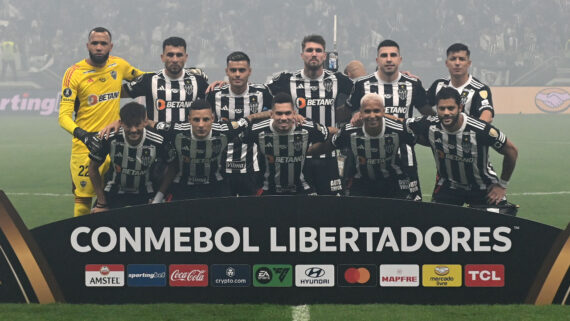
{"x":512,"y":42}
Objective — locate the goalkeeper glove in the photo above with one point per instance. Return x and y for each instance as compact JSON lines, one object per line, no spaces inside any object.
{"x":89,"y":139}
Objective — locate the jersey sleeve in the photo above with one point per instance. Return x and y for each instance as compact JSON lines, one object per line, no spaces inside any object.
{"x":138,"y":86}
{"x":202,"y":86}
{"x":419,"y":97}
{"x":317,"y":133}
{"x":341,"y":138}
{"x":493,"y":137}
{"x":430,"y":95}
{"x":344,"y":83}
{"x":67,"y":104}
{"x":419,"y":126}
{"x":267,"y":99}
{"x":211,"y":99}
{"x":167,"y":151}
{"x":356,"y":93}
{"x":130,"y":72}
{"x":483,"y":100}
{"x":278,"y":83}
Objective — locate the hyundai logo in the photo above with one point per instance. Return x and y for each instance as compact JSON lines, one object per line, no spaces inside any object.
{"x":314,"y":272}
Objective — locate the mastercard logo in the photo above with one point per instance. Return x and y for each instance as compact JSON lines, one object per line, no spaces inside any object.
{"x":357,"y":275}
{"x":160,"y":104}
{"x":301,"y":103}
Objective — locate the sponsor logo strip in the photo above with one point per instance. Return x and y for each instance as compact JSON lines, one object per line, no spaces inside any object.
{"x":485,"y":275}
{"x":441,"y":275}
{"x":104,"y":275}
{"x":314,"y":275}
{"x":399,"y":275}
{"x":146,"y":275}
{"x":231,"y":275}
{"x":188,"y":275}
{"x":357,"y":275}
{"x":272,"y":275}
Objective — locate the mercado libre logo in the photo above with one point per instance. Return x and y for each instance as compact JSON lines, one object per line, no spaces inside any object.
{"x":552,"y":100}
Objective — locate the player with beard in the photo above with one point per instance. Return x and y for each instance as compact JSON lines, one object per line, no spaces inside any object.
{"x":90,"y":101}
{"x":460,"y":146}
{"x":169,"y":91}
{"x":315,"y":92}
{"x":133,"y":151}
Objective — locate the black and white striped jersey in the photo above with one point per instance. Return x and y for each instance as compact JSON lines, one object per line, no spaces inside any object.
{"x":314,"y":98}
{"x":399,"y":96}
{"x":199,"y":160}
{"x":168,"y":99}
{"x":131,"y":165}
{"x":284,"y":153}
{"x":226,"y":105}
{"x":462,"y":157}
{"x":376,"y":156}
{"x":475,"y":96}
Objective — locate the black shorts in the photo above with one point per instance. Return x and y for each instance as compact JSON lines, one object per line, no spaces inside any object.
{"x":215,"y":189}
{"x":322,"y":175}
{"x":445,"y":193}
{"x":388,"y":188}
{"x":246,"y":184}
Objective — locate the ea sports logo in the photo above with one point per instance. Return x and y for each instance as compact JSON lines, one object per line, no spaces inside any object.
{"x":301,"y":102}
{"x":552,"y":100}
{"x":92,"y":100}
{"x":160,"y":104}
{"x":354,"y":275}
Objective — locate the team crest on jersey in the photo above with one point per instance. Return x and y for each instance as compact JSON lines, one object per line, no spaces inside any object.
{"x":188,"y":87}
{"x":328,"y":84}
{"x":298,"y":144}
{"x":389,"y":145}
{"x":83,"y":184}
{"x":464,"y":96}
{"x":402,"y":92}
{"x":146,"y":158}
{"x":466,"y":144}
{"x":67,"y":92}
{"x":253,"y":104}
{"x":114,"y":74}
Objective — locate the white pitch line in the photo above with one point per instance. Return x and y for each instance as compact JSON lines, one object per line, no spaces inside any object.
{"x":300,"y":313}
{"x":38,"y":194}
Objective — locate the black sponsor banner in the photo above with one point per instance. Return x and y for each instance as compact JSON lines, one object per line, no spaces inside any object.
{"x":296,"y":250}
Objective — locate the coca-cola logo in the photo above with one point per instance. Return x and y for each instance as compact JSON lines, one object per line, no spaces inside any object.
{"x":194,"y":275}
{"x":188,"y":275}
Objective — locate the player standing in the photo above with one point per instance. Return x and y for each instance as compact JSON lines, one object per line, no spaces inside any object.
{"x":315,"y":91}
{"x":475,"y":96}
{"x":231,"y":102}
{"x":400,"y":94}
{"x":91,"y":89}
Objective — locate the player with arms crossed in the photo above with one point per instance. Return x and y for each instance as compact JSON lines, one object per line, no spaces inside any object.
{"x":460,"y":146}
{"x":91,"y":89}
{"x":133,"y":151}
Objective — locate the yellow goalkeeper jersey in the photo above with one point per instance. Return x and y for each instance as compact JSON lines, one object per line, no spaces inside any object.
{"x":93,"y":94}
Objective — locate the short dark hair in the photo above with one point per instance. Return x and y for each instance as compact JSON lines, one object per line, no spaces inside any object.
{"x":237,"y":56}
{"x":99,"y":29}
{"x":174,"y":42}
{"x":388,"y":43}
{"x":282,"y":98}
{"x":446,"y":93}
{"x":313,"y":38}
{"x":132,"y":113}
{"x":200,"y":104}
{"x":456,"y":47}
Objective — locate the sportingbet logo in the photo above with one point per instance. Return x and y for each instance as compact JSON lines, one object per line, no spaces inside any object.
{"x":272,"y":275}
{"x":188,"y":275}
{"x":403,"y":275}
{"x":146,"y":275}
{"x":104,"y":275}
{"x":485,"y":275}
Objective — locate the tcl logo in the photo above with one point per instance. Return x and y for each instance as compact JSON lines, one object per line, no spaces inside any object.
{"x":188,"y":275}
{"x":485,"y":275}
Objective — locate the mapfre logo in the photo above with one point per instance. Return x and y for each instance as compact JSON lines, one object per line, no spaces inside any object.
{"x":485,"y":275}
{"x":188,"y":275}
{"x":399,"y":275}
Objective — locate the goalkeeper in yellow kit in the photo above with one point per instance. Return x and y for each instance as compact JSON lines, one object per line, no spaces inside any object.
{"x":90,"y":97}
